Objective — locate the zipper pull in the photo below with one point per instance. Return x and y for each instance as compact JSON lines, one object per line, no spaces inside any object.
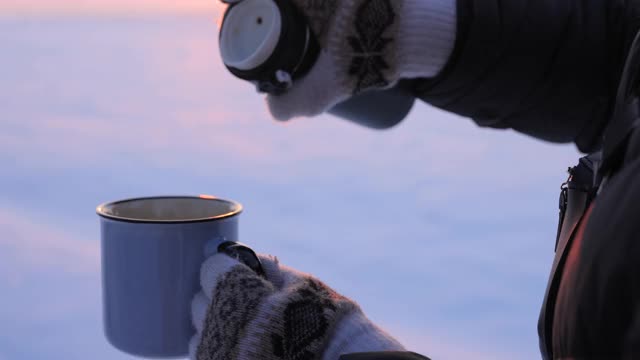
{"x":562,"y":205}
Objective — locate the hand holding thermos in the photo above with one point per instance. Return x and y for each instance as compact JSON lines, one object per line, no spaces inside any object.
{"x":355,"y":47}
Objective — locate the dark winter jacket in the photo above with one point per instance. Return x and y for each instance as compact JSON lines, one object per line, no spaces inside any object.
{"x":552,"y":69}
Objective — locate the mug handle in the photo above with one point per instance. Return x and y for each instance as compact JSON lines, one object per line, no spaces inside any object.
{"x":244,"y":254}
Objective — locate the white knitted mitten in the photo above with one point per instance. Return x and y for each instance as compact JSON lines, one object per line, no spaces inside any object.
{"x":288,"y":315}
{"x":367,"y":44}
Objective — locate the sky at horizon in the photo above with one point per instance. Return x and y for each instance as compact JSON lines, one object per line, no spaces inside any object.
{"x":97,"y":7}
{"x":441,"y":231}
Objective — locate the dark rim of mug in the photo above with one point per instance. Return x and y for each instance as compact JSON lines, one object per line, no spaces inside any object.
{"x":100,"y":210}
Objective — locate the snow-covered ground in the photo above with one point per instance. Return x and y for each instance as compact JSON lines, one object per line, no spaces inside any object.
{"x":443,"y":232}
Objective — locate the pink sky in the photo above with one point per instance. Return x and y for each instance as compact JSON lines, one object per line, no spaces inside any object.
{"x":108,"y":6}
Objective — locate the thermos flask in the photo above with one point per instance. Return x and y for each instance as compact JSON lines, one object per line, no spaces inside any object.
{"x":269,"y":43}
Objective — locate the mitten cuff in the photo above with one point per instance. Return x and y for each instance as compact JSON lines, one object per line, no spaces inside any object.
{"x":355,"y":333}
{"x":426,"y":37}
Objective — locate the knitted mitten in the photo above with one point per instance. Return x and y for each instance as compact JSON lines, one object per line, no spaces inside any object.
{"x":367,"y":44}
{"x":287,"y":315}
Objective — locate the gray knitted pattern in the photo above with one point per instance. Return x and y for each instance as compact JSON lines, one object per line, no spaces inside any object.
{"x":235,"y":301}
{"x":370,"y":43}
{"x":364,"y":43}
{"x":299,"y":325}
{"x":363,"y":30}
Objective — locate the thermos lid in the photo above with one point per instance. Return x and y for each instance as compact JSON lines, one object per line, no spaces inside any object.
{"x":251,"y":33}
{"x":267,"y":42}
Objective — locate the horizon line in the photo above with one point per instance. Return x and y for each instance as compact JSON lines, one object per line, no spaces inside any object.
{"x":106,"y":10}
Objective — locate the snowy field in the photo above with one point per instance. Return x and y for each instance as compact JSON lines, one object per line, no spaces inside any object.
{"x":443,"y":232}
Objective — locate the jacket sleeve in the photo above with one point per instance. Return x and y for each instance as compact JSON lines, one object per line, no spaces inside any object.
{"x":546,"y":68}
{"x":628,"y":228}
{"x":632,"y":337}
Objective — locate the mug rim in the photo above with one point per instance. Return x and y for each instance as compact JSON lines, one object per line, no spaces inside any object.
{"x":100,"y":210}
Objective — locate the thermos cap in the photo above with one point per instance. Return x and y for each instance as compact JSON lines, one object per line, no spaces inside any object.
{"x":267,"y":42}
{"x":250,"y":34}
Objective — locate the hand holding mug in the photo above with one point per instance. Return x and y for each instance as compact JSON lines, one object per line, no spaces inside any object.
{"x":152,"y":251}
{"x":284,"y":314}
